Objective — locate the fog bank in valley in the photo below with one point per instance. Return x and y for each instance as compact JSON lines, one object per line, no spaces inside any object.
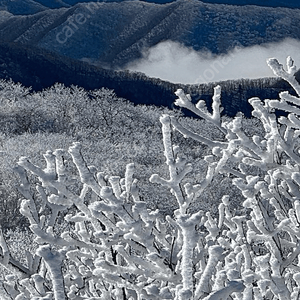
{"x":175,"y":62}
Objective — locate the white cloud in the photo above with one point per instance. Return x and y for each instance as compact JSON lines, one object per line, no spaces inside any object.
{"x":174,"y":62}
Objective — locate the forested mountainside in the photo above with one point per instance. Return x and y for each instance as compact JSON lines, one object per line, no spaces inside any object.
{"x":113,"y":34}
{"x":41,"y":69}
{"x":27,"y":7}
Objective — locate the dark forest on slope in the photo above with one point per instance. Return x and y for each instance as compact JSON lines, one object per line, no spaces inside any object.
{"x":41,"y":69}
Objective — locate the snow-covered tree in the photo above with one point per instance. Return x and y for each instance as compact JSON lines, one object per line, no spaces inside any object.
{"x":98,"y":240}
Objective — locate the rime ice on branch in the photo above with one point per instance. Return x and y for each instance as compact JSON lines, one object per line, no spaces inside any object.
{"x":113,"y":247}
{"x":272,"y":197}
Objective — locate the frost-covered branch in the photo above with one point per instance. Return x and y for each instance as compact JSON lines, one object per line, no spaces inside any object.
{"x":200,"y":108}
{"x":288,"y":74}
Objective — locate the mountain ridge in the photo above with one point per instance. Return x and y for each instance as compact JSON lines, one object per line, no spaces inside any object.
{"x":114,"y":34}
{"x":27,"y":7}
{"x":41,"y":69}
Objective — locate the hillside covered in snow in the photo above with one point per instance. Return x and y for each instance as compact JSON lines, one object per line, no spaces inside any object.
{"x":113,"y":34}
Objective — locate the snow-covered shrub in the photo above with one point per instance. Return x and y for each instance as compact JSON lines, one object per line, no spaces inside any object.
{"x":98,"y":240}
{"x":11,"y":148}
{"x":20,"y":243}
{"x":103,"y":123}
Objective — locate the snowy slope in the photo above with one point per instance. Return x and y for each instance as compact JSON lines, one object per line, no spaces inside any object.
{"x":115,"y":33}
{"x":4,"y":15}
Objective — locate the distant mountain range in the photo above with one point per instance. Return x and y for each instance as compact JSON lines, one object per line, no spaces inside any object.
{"x":84,"y":44}
{"x":113,"y":34}
{"x":25,"y":7}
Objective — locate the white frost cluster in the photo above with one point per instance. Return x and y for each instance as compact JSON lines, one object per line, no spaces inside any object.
{"x":116,"y":248}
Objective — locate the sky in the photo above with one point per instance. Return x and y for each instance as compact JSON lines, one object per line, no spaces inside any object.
{"x":176,"y":63}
